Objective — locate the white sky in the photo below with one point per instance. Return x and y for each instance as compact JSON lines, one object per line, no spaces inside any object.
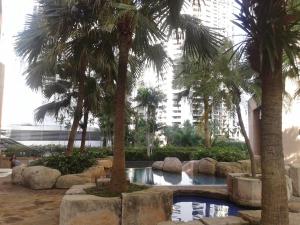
{"x":19,"y":100}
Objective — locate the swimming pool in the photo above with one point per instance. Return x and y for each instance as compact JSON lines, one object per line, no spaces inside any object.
{"x":189,"y":208}
{"x":156,"y":177}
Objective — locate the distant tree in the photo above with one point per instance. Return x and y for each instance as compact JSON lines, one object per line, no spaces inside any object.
{"x":148,"y":99}
{"x":182,"y":136}
{"x":200,"y":81}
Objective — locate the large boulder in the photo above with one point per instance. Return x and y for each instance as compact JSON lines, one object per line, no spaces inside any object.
{"x":223,"y":168}
{"x":106,"y":163}
{"x":172,"y":164}
{"x":67,"y":181}
{"x":246,"y":165}
{"x":89,"y":210}
{"x":191,"y":167}
{"x":147,"y":207}
{"x":93,"y":173}
{"x":40,"y":177}
{"x":158,"y":165}
{"x":17,"y":174}
{"x":207,"y":166}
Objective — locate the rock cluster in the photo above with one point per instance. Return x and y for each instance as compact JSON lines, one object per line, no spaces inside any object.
{"x":206,"y":166}
{"x":41,"y":177}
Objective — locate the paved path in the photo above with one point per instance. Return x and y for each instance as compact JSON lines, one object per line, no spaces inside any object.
{"x":22,"y":206}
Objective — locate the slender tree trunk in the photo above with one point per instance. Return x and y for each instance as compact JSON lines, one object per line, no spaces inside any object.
{"x":84,"y":129}
{"x":206,"y":123}
{"x":148,"y":134}
{"x":274,"y":192}
{"x":78,"y":111}
{"x":244,"y":133}
{"x":118,"y":182}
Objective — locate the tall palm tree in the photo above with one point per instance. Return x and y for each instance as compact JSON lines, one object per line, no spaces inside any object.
{"x":149,"y":99}
{"x":62,"y":41}
{"x":201,"y":82}
{"x":140,"y":25}
{"x":238,"y":78}
{"x":272,"y":29}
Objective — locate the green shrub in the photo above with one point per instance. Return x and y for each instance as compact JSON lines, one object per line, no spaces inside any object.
{"x":160,"y":154}
{"x":76,"y":163}
{"x":136,"y":155}
{"x":222,"y":154}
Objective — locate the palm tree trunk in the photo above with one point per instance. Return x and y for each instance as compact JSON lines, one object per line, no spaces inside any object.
{"x":118,"y":182}
{"x":84,"y":129}
{"x":148,"y":133}
{"x":247,"y":141}
{"x":206,"y":123}
{"x":274,"y":192}
{"x":77,"y":113}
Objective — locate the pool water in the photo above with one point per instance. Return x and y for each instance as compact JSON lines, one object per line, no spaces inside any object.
{"x":189,"y":208}
{"x":157,"y":177}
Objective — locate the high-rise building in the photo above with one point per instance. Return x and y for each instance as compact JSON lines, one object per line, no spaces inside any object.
{"x":216,"y":14}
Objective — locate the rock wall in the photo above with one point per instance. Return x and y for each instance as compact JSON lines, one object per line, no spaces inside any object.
{"x":147,"y":207}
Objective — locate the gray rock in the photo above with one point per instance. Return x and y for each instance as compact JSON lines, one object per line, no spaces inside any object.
{"x":79,"y":189}
{"x":89,"y":210}
{"x":207,"y":166}
{"x":67,"y":181}
{"x":147,"y":207}
{"x":17,"y":174}
{"x":223,"y":168}
{"x":172,"y":164}
{"x":158,"y":165}
{"x":40,"y":177}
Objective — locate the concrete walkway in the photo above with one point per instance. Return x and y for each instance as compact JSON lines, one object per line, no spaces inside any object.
{"x":5,"y":172}
{"x":22,"y":206}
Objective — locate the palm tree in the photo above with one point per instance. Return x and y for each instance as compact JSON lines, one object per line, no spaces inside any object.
{"x":62,"y":41}
{"x":140,"y":25}
{"x":149,"y":99}
{"x":238,"y":78}
{"x":272,"y":29}
{"x":200,"y":81}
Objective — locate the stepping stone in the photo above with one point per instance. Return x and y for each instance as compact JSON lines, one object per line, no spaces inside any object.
{"x":180,"y":223}
{"x":230,"y":220}
{"x":253,"y":216}
{"x":294,"y":207}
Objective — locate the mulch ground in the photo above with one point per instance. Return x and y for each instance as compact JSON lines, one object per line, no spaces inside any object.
{"x":22,"y":206}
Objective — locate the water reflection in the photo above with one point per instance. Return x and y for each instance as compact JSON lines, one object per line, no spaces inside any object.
{"x":188,"y":208}
{"x":157,"y":177}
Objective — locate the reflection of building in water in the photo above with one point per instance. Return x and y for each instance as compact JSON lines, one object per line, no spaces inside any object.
{"x":193,"y":210}
{"x":199,"y":210}
{"x":144,"y":175}
{"x":218,"y":210}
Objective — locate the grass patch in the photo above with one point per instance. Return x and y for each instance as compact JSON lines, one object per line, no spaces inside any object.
{"x":105,"y":192}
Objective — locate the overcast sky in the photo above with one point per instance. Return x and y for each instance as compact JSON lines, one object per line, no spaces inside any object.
{"x":19,"y":100}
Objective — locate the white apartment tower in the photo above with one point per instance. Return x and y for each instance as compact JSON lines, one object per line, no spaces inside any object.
{"x":216,"y":14}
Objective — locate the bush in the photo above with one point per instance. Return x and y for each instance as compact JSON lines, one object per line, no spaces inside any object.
{"x":76,"y":163}
{"x":22,"y":151}
{"x":222,"y":154}
{"x":136,"y":155}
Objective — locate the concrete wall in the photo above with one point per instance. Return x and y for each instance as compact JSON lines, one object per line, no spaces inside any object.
{"x":290,"y":124}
